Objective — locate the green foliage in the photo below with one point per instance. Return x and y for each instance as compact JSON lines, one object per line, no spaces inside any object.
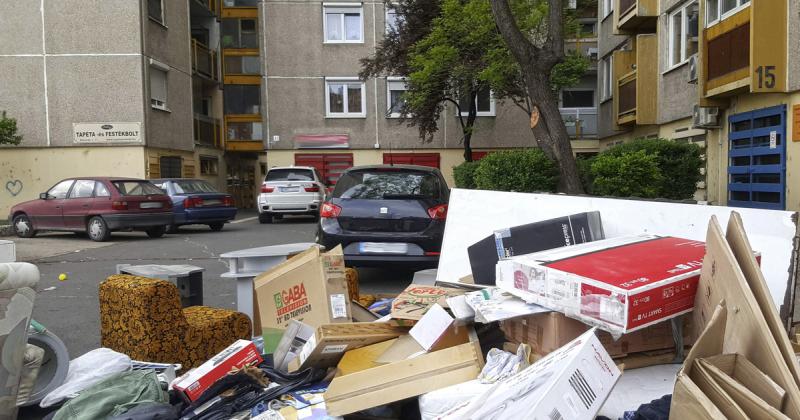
{"x":569,"y":72}
{"x":464,"y":175}
{"x":678,"y":163}
{"x":633,"y":174}
{"x":517,"y":170}
{"x":8,"y":130}
{"x":585,"y":171}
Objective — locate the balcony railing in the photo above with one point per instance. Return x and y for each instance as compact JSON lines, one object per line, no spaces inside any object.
{"x":633,"y":14}
{"x":580,"y":122}
{"x":204,"y":61}
{"x":625,"y":6}
{"x":627,"y":96}
{"x":210,"y":6}
{"x":207,"y":131}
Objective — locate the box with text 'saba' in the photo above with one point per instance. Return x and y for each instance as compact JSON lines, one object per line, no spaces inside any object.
{"x":621,"y":284}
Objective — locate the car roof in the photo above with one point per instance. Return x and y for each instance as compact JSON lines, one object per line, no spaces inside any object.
{"x":175,"y":179}
{"x":409,"y":167}
{"x":103,"y":178}
{"x":291,"y":167}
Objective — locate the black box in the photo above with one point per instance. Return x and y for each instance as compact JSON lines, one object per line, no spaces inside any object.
{"x":525,"y":239}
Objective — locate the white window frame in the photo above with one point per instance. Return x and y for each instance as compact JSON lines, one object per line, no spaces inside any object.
{"x":681,"y":11}
{"x":740,"y":4}
{"x":158,"y":103}
{"x":607,"y":74}
{"x":608,"y":8}
{"x":390,"y":82}
{"x":561,"y":98}
{"x":492,"y":112}
{"x":346,"y":81}
{"x":342,"y":8}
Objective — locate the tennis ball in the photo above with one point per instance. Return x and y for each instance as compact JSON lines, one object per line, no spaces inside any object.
{"x":62,"y":277}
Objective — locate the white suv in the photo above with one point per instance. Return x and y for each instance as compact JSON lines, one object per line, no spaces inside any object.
{"x":290,"y":190}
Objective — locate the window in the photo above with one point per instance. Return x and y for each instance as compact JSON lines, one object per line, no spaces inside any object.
{"x":239,"y":33}
{"x":483,"y":101}
{"x":294,"y":174}
{"x":193,"y":186}
{"x":343,"y":24}
{"x":574,"y":98}
{"x":392,"y":19}
{"x":607,"y":75}
{"x":138,"y":187}
{"x":240,"y":3}
{"x":587,"y":29}
{"x":170,"y":166}
{"x":345,"y":99}
{"x":242,"y":99}
{"x":155,"y":10}
{"x":100,"y":190}
{"x":395,"y":88}
{"x":60,"y":190}
{"x":158,"y":85}
{"x":209,"y":165}
{"x":377,"y":185}
{"x":608,"y":7}
{"x":82,"y":189}
{"x":245,"y":131}
{"x":717,"y":10}
{"x":683,"y":33}
{"x":242,"y":64}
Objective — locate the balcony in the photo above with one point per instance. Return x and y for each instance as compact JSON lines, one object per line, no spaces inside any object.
{"x":636,"y":86}
{"x":207,"y":131}
{"x":635,"y":15}
{"x":205,"y":8}
{"x":204,"y":61}
{"x":581,"y":122}
{"x":243,"y":133}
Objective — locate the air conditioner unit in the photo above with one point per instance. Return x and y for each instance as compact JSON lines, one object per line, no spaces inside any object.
{"x":693,"y":69}
{"x":592,"y":53}
{"x":705,"y":117}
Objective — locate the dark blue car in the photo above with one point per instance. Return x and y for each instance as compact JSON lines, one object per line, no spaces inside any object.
{"x":196,"y":202}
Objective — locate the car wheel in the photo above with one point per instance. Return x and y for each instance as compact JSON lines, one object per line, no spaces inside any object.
{"x":216,"y":226}
{"x":156,"y":231}
{"x":97,"y":229}
{"x":265,"y":218}
{"x":23,"y":227}
{"x":172,"y":228}
{"x":277,"y":217}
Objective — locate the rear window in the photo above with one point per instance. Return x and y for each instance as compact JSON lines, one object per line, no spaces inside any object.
{"x":193,"y":187}
{"x":377,"y":185}
{"x":136,"y":188}
{"x":290,"y":175}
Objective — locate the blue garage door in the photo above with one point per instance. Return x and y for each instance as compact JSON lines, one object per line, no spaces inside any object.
{"x":757,"y":159}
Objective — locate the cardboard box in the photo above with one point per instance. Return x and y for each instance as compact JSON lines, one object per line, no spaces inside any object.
{"x":572,"y":382}
{"x":620,"y":285}
{"x":549,"y":331}
{"x":415,"y":300}
{"x":392,"y":382}
{"x":239,"y":354}
{"x":329,"y":343}
{"x":533,"y":237}
{"x":309,"y":287}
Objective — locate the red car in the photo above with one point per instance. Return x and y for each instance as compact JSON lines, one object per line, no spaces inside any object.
{"x":97,"y":207}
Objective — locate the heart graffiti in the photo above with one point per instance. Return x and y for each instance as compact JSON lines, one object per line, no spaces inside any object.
{"x":14,"y":187}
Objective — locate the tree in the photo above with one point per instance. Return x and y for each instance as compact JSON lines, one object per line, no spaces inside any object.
{"x":538,"y":52}
{"x":8,"y":130}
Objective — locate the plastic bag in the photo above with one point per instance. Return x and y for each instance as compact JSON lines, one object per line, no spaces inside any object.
{"x":502,"y":364}
{"x":86,"y":371}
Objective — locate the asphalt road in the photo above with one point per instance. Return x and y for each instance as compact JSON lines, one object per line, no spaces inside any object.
{"x":70,"y":308}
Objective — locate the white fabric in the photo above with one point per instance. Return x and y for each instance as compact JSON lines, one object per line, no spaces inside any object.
{"x":435,"y":403}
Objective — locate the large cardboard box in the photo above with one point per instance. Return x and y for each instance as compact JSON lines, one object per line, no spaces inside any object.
{"x":533,"y":237}
{"x":239,"y":354}
{"x":310,"y":287}
{"x":549,"y":331}
{"x":620,"y":285}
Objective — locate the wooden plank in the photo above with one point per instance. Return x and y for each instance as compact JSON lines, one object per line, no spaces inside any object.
{"x":747,"y":331}
{"x":768,"y":29}
{"x":646,"y":79}
{"x":796,"y":122}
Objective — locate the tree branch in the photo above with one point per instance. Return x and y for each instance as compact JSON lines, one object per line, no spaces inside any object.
{"x":519,"y":45}
{"x":458,"y":111}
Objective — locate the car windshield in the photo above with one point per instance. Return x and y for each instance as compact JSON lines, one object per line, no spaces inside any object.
{"x":290,"y":174}
{"x":376,"y":185}
{"x":136,"y":188}
{"x":193,"y":186}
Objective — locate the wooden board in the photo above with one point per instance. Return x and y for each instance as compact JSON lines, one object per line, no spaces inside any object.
{"x":747,"y":331}
{"x":796,"y":122}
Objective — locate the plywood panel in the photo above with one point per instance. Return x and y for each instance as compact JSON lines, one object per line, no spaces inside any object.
{"x":796,"y":123}
{"x":768,"y":39}
{"x":647,"y":79}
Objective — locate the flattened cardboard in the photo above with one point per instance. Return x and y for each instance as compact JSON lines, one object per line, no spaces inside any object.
{"x":716,"y":394}
{"x":751,"y":404}
{"x":740,"y":370}
{"x":415,"y":300}
{"x":747,"y":332}
{"x":409,"y":378}
{"x":310,"y":287}
{"x":362,"y":313}
{"x":364,"y":358}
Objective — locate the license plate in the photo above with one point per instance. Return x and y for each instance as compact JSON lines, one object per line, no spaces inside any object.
{"x":151,"y":205}
{"x":211,"y":202}
{"x":290,"y":189}
{"x":383,"y":248}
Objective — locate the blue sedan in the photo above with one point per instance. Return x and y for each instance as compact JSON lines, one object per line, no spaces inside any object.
{"x":196,"y":202}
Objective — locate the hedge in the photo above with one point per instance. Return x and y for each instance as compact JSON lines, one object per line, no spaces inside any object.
{"x":464,"y":174}
{"x":516,"y":170}
{"x":634,"y":174}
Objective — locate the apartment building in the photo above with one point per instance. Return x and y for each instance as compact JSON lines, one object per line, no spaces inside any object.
{"x":106,"y":88}
{"x":317,"y":112}
{"x":719,"y":73}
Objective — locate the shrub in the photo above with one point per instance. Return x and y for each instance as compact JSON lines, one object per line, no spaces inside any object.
{"x":464,"y":175}
{"x":517,"y":170}
{"x":585,"y":171}
{"x":633,"y":174}
{"x":679,"y":164}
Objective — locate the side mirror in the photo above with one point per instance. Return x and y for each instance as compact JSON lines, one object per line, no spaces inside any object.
{"x":43,"y":196}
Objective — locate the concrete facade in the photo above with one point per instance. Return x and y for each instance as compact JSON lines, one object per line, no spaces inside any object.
{"x":794,"y":45}
{"x":607,"y":43}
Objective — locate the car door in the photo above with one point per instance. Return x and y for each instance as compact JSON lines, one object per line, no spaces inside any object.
{"x":49,"y":213}
{"x":78,"y":204}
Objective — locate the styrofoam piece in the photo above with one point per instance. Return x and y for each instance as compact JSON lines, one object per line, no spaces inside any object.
{"x":474,"y":214}
{"x":8,"y":251}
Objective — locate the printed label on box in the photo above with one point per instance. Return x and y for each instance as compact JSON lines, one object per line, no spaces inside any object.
{"x":338,"y":306}
{"x":338,"y":348}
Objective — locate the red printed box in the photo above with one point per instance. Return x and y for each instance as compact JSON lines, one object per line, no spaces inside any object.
{"x":620,"y":284}
{"x":195,"y":382}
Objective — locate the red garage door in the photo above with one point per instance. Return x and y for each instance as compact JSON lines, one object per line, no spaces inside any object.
{"x":329,"y":165}
{"x":422,"y":159}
